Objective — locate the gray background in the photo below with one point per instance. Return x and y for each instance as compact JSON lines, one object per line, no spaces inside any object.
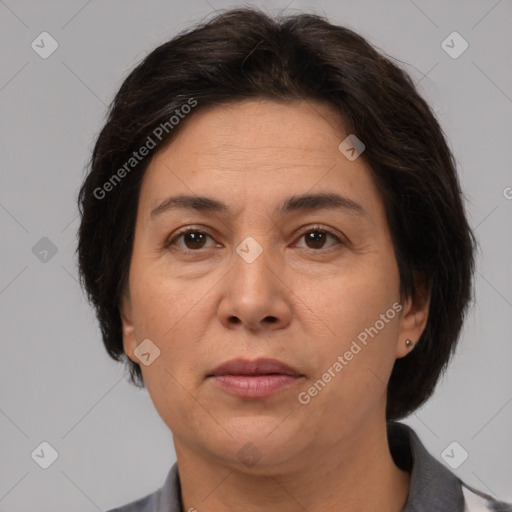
{"x":58,"y":385}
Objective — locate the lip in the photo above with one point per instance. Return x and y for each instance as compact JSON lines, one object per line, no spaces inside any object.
{"x":254,"y":379}
{"x":261,"y":366}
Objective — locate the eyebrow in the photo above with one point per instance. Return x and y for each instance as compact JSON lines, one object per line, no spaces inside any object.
{"x":304,"y":202}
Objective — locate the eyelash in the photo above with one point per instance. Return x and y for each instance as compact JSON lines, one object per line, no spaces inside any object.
{"x":170,"y":242}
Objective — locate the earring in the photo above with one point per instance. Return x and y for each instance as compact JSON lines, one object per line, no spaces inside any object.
{"x":409,"y":343}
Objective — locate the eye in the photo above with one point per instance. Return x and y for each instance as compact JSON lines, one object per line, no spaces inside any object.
{"x":192,"y":238}
{"x":316,"y":237}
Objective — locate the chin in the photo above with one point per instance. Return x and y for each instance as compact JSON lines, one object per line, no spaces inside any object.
{"x":258,"y":444}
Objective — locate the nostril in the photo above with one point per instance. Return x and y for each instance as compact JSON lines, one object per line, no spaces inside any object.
{"x":271,"y":319}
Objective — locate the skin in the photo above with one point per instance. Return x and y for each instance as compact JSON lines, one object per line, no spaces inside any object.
{"x":209,"y":306}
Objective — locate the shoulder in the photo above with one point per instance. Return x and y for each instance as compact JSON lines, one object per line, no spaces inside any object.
{"x":477,"y":501}
{"x":168,"y":497}
{"x":433,"y":486}
{"x":146,"y":504}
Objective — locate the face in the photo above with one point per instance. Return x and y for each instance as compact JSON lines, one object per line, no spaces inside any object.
{"x":311,"y":283}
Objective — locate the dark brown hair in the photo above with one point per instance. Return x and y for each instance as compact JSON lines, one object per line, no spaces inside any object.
{"x":246,"y":54}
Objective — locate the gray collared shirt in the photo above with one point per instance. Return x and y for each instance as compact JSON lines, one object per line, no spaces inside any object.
{"x":434,"y":488}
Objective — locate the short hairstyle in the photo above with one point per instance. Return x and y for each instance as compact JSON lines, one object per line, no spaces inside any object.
{"x":244,"y":54}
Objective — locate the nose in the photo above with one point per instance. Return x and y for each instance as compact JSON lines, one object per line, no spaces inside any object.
{"x":254,"y":295}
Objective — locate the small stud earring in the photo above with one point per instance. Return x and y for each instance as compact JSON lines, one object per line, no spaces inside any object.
{"x":409,"y":343}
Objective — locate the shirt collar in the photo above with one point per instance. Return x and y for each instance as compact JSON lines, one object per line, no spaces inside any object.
{"x":434,"y":488}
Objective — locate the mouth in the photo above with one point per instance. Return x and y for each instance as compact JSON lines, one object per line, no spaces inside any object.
{"x":254,"y":379}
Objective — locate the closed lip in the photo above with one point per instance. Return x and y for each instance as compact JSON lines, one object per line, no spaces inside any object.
{"x":262,"y":366}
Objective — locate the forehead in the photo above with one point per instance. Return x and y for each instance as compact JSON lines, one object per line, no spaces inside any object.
{"x":257,"y":151}
{"x":261,"y":129}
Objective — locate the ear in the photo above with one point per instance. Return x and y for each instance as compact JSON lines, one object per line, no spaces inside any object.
{"x":129,"y":339}
{"x":413,"y":318}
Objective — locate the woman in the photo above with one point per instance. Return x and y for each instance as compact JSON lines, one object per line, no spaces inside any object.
{"x":274,"y":240}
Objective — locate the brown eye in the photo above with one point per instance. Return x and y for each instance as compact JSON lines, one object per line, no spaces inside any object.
{"x":192,"y":240}
{"x":316,"y":238}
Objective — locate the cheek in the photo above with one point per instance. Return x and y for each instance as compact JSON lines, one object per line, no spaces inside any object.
{"x":354,"y":298}
{"x":158,"y":302}
{"x":360,"y":310}
{"x":169,"y":396}
{"x":167,"y":312}
{"x":173,"y":314}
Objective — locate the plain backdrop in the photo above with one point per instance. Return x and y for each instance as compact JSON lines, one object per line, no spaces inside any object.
{"x":57,"y":383}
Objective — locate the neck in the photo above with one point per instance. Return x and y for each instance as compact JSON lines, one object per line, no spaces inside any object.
{"x":357,"y":475}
